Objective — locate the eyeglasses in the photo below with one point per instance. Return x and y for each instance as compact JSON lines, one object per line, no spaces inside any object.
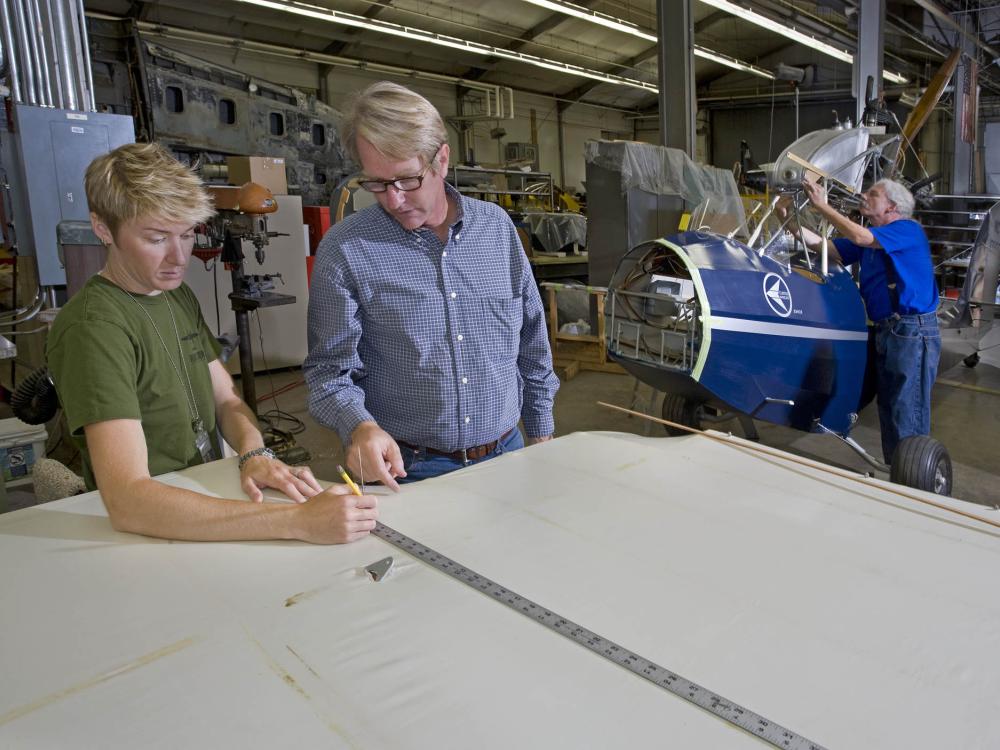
{"x":403,"y":184}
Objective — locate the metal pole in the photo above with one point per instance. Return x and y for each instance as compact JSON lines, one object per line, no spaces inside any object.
{"x":11,"y":52}
{"x":36,"y":60}
{"x":962,"y":150}
{"x":675,"y":56}
{"x":24,"y":47}
{"x":869,"y":58}
{"x":57,"y":57}
{"x":75,"y":55}
{"x":562,"y":147}
{"x":65,"y":53}
{"x":38,"y":35}
{"x":246,"y":359}
{"x":82,"y":31}
{"x":796,"y":111}
{"x":825,"y":257}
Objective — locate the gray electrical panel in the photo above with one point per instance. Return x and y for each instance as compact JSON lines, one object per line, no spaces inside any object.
{"x":51,"y":149}
{"x":620,"y":218}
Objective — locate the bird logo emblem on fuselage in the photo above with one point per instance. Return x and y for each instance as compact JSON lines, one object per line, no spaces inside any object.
{"x":778,"y":297}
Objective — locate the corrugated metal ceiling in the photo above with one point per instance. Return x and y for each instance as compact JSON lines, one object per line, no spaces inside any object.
{"x":521,"y":27}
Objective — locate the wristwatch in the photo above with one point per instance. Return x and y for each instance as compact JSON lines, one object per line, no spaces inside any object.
{"x":266,"y":452}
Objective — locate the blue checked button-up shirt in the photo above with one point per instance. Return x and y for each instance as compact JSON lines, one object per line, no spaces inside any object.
{"x":442,"y":344}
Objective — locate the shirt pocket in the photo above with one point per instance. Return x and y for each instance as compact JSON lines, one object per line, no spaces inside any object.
{"x":405,"y":332}
{"x":502,"y":318}
{"x":404,"y":312}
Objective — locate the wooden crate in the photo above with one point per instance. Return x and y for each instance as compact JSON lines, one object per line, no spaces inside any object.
{"x":572,"y":352}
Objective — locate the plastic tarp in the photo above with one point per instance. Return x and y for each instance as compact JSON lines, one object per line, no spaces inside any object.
{"x":556,"y":230}
{"x":847,"y":613}
{"x":670,"y":171}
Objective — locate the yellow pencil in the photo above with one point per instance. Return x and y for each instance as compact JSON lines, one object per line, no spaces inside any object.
{"x":350,"y":482}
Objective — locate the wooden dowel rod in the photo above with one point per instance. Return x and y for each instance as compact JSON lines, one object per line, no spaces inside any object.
{"x":775,"y":453}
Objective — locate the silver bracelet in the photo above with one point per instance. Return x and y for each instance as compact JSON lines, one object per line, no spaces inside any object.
{"x":266,"y":452}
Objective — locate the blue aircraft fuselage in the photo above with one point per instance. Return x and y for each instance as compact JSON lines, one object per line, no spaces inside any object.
{"x":777,"y":340}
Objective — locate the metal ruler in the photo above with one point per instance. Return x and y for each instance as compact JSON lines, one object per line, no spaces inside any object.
{"x":734,"y":713}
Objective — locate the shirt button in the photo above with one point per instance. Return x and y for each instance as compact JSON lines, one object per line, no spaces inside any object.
{"x":453,"y":295}
{"x":467,"y":420}
{"x":459,"y":337}
{"x":444,"y":253}
{"x":465,"y":380}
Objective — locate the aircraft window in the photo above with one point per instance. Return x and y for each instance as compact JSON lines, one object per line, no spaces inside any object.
{"x":277,"y":123}
{"x":812,"y":275}
{"x":796,"y":258}
{"x":319,"y":134}
{"x":174,"y":99}
{"x":227,"y":111}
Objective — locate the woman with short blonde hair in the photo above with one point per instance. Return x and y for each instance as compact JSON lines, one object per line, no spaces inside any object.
{"x":143,"y":179}
{"x":141,"y":385}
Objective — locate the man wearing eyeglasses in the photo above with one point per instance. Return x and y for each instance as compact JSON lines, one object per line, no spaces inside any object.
{"x":427,"y":340}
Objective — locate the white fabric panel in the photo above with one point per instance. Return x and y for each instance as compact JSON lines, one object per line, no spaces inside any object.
{"x":850,"y":615}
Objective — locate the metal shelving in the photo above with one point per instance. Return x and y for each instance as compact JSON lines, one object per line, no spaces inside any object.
{"x":480,"y":181}
{"x":951,"y":223}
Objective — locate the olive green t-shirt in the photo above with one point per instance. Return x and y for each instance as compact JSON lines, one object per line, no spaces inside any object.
{"x":109,"y":360}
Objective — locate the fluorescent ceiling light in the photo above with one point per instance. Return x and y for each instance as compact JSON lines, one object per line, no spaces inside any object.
{"x":786,"y":31}
{"x":408,"y":32}
{"x":630,"y":28}
{"x":748,"y":15}
{"x":732,"y":62}
{"x":599,"y":18}
{"x":790,"y":33}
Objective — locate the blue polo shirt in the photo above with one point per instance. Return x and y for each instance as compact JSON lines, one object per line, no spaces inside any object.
{"x":910,"y":254}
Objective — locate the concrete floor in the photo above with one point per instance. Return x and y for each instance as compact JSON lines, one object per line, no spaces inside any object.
{"x":966,"y":418}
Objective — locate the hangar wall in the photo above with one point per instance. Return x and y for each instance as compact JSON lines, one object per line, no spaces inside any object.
{"x":580,"y":122}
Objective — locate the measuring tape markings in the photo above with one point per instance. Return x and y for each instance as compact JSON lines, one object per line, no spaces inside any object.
{"x":727,"y":710}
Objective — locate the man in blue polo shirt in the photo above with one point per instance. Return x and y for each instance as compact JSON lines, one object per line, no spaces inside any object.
{"x":901,"y":298}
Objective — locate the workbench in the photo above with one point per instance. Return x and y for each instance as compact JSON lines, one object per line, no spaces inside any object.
{"x":852,"y":615}
{"x":546,"y":267}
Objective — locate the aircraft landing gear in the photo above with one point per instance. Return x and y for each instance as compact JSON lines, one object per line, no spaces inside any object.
{"x":683,"y":411}
{"x":923,"y":463}
{"x":698,"y":414}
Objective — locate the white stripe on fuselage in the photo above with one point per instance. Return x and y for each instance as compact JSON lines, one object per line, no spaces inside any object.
{"x":742,"y":325}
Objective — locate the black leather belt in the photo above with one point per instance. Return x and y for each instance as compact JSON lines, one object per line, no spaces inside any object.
{"x":465,"y":455}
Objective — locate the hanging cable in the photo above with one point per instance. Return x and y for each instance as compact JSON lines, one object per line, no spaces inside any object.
{"x":770,"y":132}
{"x":273,"y":418}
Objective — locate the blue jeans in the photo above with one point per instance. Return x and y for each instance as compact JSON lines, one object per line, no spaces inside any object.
{"x":420,"y":464}
{"x":907,"y":350}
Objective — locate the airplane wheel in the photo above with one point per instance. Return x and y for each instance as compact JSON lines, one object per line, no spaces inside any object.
{"x":680,"y":410}
{"x":972,"y":360}
{"x":923,"y":463}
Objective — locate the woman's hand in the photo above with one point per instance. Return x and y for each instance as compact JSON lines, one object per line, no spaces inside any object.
{"x":297,"y":482}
